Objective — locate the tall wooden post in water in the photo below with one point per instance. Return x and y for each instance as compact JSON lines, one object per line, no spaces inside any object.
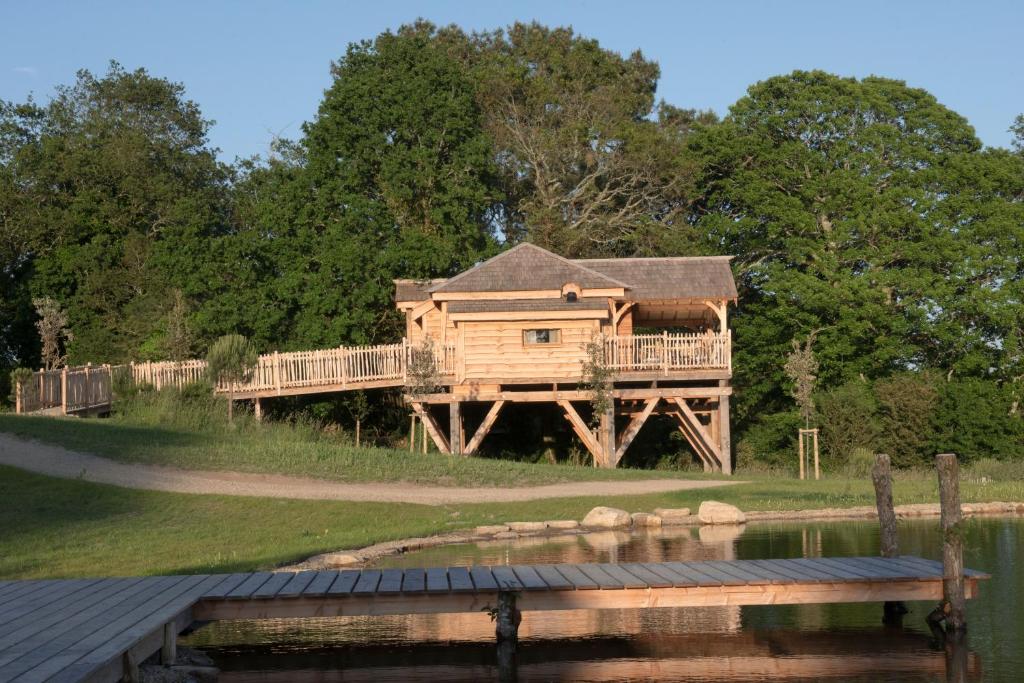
{"x":952,"y":543}
{"x":881,"y":477}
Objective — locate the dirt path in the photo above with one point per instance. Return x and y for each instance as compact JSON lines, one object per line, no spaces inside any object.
{"x":56,"y":461}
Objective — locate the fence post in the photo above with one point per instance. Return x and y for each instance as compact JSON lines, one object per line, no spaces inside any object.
{"x":344,"y":366}
{"x":17,"y":397}
{"x":64,"y":390}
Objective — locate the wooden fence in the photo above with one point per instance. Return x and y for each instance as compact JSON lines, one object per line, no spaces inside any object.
{"x":667,"y":352}
{"x":67,"y":390}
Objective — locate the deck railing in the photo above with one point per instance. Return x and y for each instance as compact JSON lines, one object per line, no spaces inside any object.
{"x":90,"y":387}
{"x":70,"y":390}
{"x":346,"y":366}
{"x":667,"y":352}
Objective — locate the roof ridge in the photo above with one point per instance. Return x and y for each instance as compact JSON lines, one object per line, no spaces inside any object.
{"x":530,"y":245}
{"x":657,"y":258}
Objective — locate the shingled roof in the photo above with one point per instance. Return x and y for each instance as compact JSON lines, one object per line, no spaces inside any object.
{"x":414,"y":290}
{"x":526,"y":267}
{"x":674,"y":277}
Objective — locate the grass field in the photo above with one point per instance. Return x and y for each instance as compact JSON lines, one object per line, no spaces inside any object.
{"x":299,"y":450}
{"x":61,"y":528}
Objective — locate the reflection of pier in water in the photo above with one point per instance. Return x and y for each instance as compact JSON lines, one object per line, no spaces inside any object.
{"x":682,"y":544}
{"x":780,"y":655}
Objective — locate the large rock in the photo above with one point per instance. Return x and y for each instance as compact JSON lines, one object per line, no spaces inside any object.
{"x":607,"y":518}
{"x":562,"y":524}
{"x":670,"y":516}
{"x":645,"y":519}
{"x":527,"y":527}
{"x":713,"y":512}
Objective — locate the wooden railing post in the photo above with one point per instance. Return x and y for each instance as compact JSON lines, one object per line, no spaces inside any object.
{"x":664,"y":351}
{"x":277,"y":372}
{"x":17,"y":397}
{"x":64,"y":390}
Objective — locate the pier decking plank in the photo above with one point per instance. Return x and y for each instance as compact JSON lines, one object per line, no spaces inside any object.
{"x":81,"y":629}
{"x":321,"y":583}
{"x":298,"y":583}
{"x":460,"y":579}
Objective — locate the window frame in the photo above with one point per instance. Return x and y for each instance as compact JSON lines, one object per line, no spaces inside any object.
{"x":554,"y":334}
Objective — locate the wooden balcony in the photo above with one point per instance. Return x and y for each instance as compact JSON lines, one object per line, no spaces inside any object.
{"x":633,"y":357}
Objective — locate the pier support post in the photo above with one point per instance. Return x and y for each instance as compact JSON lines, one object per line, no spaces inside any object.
{"x":953,"y":602}
{"x":506,"y":630}
{"x":257,"y":409}
{"x":881,"y":477}
{"x":169,"y":648}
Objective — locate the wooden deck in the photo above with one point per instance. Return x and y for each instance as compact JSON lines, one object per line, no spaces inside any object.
{"x":98,"y":629}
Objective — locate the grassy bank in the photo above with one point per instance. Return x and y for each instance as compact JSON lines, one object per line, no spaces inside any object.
{"x":190,"y":440}
{"x":60,"y":528}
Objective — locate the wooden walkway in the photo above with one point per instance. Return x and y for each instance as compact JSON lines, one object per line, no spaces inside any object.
{"x":100,"y":629}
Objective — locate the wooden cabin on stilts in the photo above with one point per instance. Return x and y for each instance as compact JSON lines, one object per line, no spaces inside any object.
{"x":517,"y":329}
{"x":520,"y":327}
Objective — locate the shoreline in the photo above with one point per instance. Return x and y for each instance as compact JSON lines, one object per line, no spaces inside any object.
{"x":358,"y":557}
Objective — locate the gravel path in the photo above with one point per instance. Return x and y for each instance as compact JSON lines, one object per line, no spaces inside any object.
{"x":56,"y":461}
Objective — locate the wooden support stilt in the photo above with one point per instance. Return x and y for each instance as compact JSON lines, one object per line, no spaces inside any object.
{"x":169,"y":648}
{"x":881,"y":477}
{"x":257,"y":409}
{"x":800,"y":453}
{"x":412,"y":432}
{"x":484,"y":429}
{"x":130,"y":666}
{"x":506,"y":630}
{"x":725,"y":435}
{"x":423,"y":437}
{"x":634,"y":428}
{"x":584,"y":434}
{"x":432,"y":428}
{"x":607,"y":440}
{"x":455,"y":427}
{"x":697,"y":435}
{"x":953,"y":604}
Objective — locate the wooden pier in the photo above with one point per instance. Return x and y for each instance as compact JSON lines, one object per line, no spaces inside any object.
{"x":101,"y":629}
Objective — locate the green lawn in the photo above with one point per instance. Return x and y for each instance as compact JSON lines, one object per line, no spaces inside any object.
{"x":61,"y":528}
{"x":290,"y":449}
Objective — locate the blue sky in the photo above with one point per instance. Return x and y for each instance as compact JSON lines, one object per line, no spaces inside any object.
{"x":259,"y":68}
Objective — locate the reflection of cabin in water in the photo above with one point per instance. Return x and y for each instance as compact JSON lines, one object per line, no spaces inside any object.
{"x":520,"y":327}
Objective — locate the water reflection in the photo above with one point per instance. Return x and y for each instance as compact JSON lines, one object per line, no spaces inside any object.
{"x":788,"y":643}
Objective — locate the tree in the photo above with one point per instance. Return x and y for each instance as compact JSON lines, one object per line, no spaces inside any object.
{"x":230,"y":361}
{"x":108,"y":195}
{"x":178,"y":340}
{"x":586,"y":170}
{"x":802,"y":369}
{"x":53,"y":332}
{"x":358,"y":407}
{"x":850,"y":207}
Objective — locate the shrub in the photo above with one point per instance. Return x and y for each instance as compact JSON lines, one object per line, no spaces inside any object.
{"x":974,"y":419}
{"x":908,"y":403}
{"x":849,"y":420}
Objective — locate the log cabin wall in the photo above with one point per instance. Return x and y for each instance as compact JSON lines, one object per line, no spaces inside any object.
{"x":496,"y":351}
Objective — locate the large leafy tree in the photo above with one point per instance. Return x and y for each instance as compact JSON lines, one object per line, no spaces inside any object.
{"x":108,"y":193}
{"x":862,"y":210}
{"x":590,"y":165}
{"x":393,"y":178}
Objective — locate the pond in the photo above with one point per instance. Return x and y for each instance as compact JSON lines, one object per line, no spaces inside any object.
{"x":783,"y":643}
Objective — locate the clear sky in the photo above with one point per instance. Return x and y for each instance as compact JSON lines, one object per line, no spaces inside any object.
{"x":259,"y":68}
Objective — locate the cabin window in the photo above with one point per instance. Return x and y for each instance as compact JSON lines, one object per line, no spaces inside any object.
{"x":531,"y":337}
